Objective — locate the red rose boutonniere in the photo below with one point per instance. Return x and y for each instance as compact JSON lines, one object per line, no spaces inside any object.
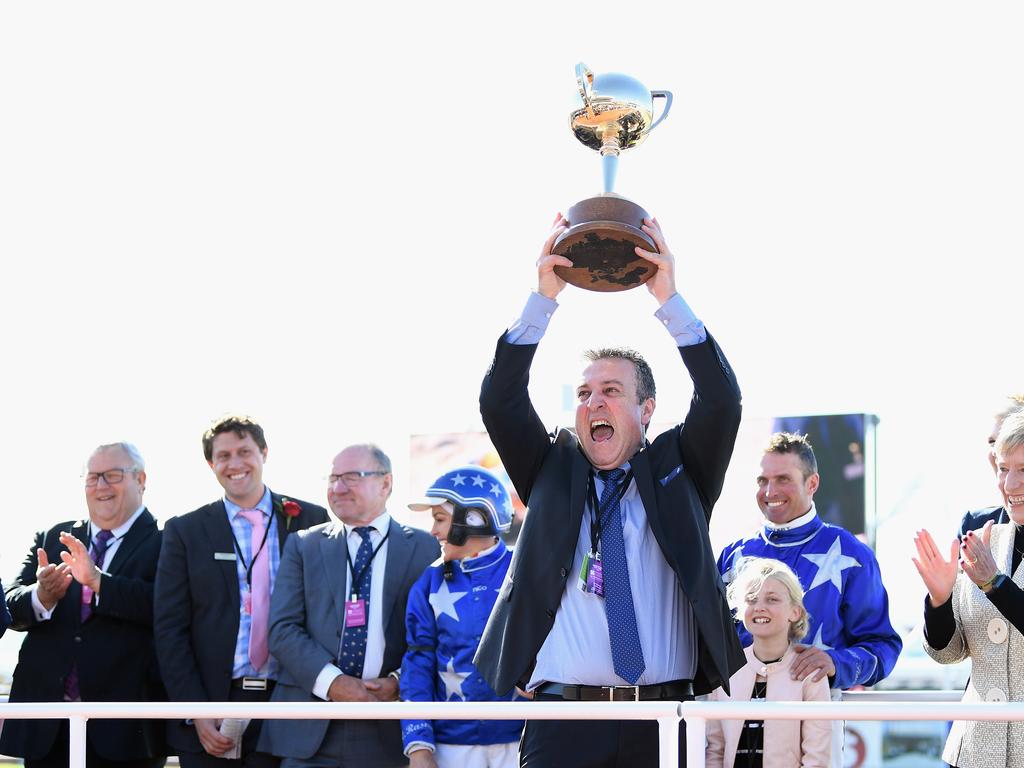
{"x":291,"y":510}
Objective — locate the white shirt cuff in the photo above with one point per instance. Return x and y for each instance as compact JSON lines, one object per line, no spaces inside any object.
{"x":413,"y":746}
{"x":324,"y":680}
{"x":41,"y":613}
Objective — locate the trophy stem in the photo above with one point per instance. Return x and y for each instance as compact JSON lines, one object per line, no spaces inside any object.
{"x":610,"y":165}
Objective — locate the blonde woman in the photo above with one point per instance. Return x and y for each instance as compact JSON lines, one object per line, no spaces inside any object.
{"x":768,"y":597}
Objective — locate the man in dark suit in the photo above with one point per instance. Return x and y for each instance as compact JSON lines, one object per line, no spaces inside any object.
{"x":624,"y":603}
{"x":84,"y":599}
{"x":5,"y":615}
{"x":975,"y":520}
{"x":217,"y":569}
{"x":338,"y":618}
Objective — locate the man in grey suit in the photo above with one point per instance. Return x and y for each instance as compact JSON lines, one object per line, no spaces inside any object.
{"x":337,"y":618}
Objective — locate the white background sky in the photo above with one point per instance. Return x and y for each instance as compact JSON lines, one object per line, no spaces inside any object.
{"x":324,"y":214}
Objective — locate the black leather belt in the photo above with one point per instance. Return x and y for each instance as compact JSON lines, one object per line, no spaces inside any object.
{"x":677,"y":690}
{"x":253,"y":684}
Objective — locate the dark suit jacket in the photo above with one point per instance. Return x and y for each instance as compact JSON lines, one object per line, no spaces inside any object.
{"x":679,"y":477}
{"x":113,"y":649}
{"x":5,"y":615}
{"x":306,"y":618}
{"x":197,"y":606}
{"x":975,"y":520}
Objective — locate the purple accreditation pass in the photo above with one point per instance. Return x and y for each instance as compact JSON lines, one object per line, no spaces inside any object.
{"x":355,"y":613}
{"x":595,"y":578}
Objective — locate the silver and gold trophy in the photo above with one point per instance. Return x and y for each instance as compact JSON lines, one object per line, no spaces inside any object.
{"x":615,"y":112}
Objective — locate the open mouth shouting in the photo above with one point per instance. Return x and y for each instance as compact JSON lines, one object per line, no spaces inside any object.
{"x":601,"y":430}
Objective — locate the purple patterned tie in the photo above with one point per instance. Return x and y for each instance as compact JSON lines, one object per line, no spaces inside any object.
{"x":99,"y":550}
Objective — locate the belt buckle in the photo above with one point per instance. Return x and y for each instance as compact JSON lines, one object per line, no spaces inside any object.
{"x":254,"y":684}
{"x":613,"y":688}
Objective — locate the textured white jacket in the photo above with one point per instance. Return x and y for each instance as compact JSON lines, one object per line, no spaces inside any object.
{"x":996,"y":650}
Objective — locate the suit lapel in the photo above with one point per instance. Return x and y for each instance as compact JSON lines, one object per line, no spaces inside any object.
{"x":138,"y":533}
{"x":578,"y":491}
{"x":218,"y":533}
{"x":333,"y":553}
{"x":277,"y":513}
{"x":399,"y":556}
{"x":644,"y":476}
{"x":80,"y":531}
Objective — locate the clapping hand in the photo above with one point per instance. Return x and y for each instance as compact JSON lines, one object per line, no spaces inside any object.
{"x":976,"y":556}
{"x":52,"y":580}
{"x":79,"y":563}
{"x":937,"y":573}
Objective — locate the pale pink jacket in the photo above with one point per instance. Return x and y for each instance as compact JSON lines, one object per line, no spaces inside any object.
{"x":787,"y":743}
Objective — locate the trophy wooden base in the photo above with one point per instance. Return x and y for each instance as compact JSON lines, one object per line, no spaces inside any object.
{"x":603,"y":231}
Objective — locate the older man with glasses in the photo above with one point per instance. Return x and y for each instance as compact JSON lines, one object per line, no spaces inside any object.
{"x":84,"y":599}
{"x":337,"y":618}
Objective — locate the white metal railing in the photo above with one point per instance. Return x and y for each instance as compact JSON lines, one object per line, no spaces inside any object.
{"x":895,"y":705}
{"x":697,"y":713}
{"x":666,"y":713}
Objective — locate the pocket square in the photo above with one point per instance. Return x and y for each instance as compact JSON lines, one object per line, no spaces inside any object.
{"x":670,"y":476}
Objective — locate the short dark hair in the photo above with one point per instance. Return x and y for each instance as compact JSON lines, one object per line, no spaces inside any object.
{"x":240,"y":425}
{"x":644,"y":375}
{"x":788,"y":442}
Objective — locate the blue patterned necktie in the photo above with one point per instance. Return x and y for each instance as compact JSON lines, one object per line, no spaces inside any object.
{"x":353,"y":646}
{"x":627,"y":655}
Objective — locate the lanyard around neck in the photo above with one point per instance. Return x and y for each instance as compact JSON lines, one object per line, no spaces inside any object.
{"x":353,"y":586}
{"x":238,"y":550}
{"x":597,"y":512}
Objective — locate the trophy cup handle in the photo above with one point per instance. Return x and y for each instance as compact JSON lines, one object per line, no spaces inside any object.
{"x":585,"y":79}
{"x":667,"y":96}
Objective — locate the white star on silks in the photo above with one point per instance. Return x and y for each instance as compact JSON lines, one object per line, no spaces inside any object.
{"x":444,"y":601}
{"x":817,"y":642}
{"x":831,"y":566}
{"x":452,"y":680}
{"x":478,"y":482}
{"x":495,"y":490}
{"x":458,"y":480}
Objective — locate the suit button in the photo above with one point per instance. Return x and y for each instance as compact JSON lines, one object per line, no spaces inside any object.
{"x":564,"y":573}
{"x":550,"y":614}
{"x":995,"y":694}
{"x":997,"y":631}
{"x":78,"y":638}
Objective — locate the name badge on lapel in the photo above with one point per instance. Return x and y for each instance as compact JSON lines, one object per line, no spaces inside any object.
{"x":225,"y":556}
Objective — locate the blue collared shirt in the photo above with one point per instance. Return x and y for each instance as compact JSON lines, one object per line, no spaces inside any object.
{"x":243,"y":535}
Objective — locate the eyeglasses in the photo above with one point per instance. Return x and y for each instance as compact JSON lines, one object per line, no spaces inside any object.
{"x":354,"y":478}
{"x":110,"y":477}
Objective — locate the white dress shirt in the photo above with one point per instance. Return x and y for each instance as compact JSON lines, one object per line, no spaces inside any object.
{"x":577,"y":651}
{"x":374,"y":658}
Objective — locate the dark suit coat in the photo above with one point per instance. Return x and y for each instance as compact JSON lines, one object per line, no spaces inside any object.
{"x":679,"y":477}
{"x":197,"y":605}
{"x":307,"y":614}
{"x":975,"y":520}
{"x":5,"y":615}
{"x":113,"y":649}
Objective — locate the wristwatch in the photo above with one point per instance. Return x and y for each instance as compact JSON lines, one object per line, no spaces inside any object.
{"x":994,"y":583}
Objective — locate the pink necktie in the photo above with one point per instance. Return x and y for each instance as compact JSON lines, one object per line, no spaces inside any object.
{"x":259,"y":591}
